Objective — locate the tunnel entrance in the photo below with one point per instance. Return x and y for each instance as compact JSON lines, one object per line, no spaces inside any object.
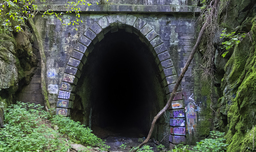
{"x":119,"y":89}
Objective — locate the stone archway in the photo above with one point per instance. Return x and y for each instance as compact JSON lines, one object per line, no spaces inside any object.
{"x":94,"y":36}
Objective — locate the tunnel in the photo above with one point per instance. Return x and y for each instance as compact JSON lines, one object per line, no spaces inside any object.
{"x":120,"y":86}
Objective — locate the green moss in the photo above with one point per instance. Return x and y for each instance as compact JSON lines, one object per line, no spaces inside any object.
{"x":241,"y":113}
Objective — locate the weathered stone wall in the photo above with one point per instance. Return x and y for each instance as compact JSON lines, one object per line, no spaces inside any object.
{"x":172,"y":22}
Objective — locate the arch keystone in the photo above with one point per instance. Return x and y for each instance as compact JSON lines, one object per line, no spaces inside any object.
{"x":103,"y":22}
{"x":130,"y":20}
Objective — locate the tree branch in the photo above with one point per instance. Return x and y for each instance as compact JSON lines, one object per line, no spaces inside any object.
{"x":182,"y":73}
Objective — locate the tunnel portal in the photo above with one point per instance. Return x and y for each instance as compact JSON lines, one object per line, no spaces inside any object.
{"x":119,"y":88}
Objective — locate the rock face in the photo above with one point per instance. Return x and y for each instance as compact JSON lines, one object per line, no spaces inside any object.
{"x":235,"y":75}
{"x":18,"y":63}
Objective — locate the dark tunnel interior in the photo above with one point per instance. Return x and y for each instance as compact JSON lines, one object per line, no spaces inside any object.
{"x":124,"y":84}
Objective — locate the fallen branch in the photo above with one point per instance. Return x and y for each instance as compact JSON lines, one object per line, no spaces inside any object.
{"x":181,"y":75}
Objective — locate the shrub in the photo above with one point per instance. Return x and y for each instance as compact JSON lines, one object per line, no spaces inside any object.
{"x":25,"y":130}
{"x":77,"y":132}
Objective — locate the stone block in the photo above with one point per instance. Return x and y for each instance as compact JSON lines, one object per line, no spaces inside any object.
{"x":156,"y":41}
{"x":151,"y":35}
{"x":169,"y":72}
{"x":177,"y":122}
{"x":100,"y":36}
{"x":167,"y":63}
{"x":80,"y":47}
{"x":130,"y":19}
{"x":121,"y":18}
{"x":146,"y":29}
{"x":179,"y":139}
{"x":180,"y":113}
{"x":178,"y":96}
{"x":74,"y":62}
{"x":69,"y":78}
{"x":84,"y":40}
{"x":90,"y":34}
{"x":139,"y":23}
{"x":96,"y":28}
{"x":164,"y":56}
{"x":64,"y":104}
{"x":64,"y":95}
{"x":171,"y":79}
{"x":112,"y":18}
{"x":178,"y":104}
{"x":71,"y":70}
{"x":103,"y":22}
{"x":169,"y":88}
{"x":65,"y":86}
{"x":125,"y":8}
{"x":179,"y":130}
{"x":77,"y":55}
{"x":161,"y":48}
{"x":63,"y":112}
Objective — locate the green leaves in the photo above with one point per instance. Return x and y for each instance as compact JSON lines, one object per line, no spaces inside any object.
{"x":231,"y":39}
{"x":213,"y":144}
{"x":25,"y":130}
{"x":77,"y":132}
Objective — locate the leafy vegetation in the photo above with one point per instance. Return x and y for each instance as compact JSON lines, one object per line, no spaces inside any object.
{"x":231,"y":40}
{"x":215,"y":143}
{"x":27,"y":129}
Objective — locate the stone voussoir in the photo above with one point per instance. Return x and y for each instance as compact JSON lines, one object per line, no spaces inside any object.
{"x":75,"y":63}
{"x":63,"y":111}
{"x":64,"y":104}
{"x":167,"y":63}
{"x":130,"y":20}
{"x":69,"y":78}
{"x":161,"y":48}
{"x":84,"y":40}
{"x":95,"y":27}
{"x":151,"y":35}
{"x":169,"y":72}
{"x":77,"y":55}
{"x":103,"y":22}
{"x":146,"y":29}
{"x":65,"y":86}
{"x":71,"y":70}
{"x":80,"y":47}
{"x":156,"y":41}
{"x":89,"y":34}
{"x":164,"y":56}
{"x":139,"y":24}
